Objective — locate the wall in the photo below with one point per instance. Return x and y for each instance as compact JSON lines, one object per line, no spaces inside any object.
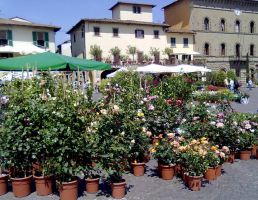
{"x":78,"y":46}
{"x":126,"y":13}
{"x":116,"y":12}
{"x":22,"y":36}
{"x":178,"y":15}
{"x":66,"y":49}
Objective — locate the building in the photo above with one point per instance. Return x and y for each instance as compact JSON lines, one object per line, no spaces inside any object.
{"x":65,"y":48}
{"x":226,"y":31}
{"x":18,"y":35}
{"x":131,"y":25}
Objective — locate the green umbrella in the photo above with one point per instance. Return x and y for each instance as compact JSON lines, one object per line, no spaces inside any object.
{"x":50,"y":61}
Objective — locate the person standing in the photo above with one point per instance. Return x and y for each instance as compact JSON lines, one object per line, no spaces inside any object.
{"x":250,"y":84}
{"x":231,"y":83}
{"x":226,"y":83}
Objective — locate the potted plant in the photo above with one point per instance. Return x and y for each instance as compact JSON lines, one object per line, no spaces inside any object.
{"x":213,"y":161}
{"x":246,"y":139}
{"x":3,"y":180}
{"x":165,"y":154}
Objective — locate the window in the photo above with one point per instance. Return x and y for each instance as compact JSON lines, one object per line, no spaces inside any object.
{"x":115,"y":32}
{"x":173,"y":42}
{"x":237,"y":50}
{"x":139,"y":33}
{"x":251,"y":50}
{"x":222,"y":25}
{"x":96,"y":31}
{"x":3,"y":38}
{"x":40,"y":39}
{"x":237,"y":26}
{"x":137,"y":9}
{"x":252,"y":27}
{"x":82,"y":32}
{"x":185,"y":42}
{"x":222,"y":49}
{"x":156,"y":34}
{"x":206,"y":49}
{"x":74,"y":37}
{"x":206,"y":24}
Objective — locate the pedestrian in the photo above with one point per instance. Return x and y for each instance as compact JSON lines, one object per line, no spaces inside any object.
{"x":250,"y":84}
{"x":236,"y":86}
{"x":231,"y":84}
{"x":226,"y":83}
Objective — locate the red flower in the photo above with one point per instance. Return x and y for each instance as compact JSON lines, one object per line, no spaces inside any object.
{"x":179,"y":102}
{"x":169,"y":101}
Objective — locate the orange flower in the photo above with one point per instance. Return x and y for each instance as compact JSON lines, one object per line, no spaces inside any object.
{"x":160,"y":136}
{"x":213,"y":148}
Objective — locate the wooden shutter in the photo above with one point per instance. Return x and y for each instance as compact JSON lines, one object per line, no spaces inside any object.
{"x":10,"y":37}
{"x":34,"y":37}
{"x":46,"y":40}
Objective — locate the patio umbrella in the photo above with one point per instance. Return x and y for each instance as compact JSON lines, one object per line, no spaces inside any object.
{"x":123,"y":69}
{"x":153,"y":68}
{"x":188,"y":69}
{"x":50,"y":61}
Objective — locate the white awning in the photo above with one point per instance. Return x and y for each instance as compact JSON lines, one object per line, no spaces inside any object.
{"x":23,"y":50}
{"x":188,"y":69}
{"x":123,"y":69}
{"x":184,"y":52}
{"x":153,"y":68}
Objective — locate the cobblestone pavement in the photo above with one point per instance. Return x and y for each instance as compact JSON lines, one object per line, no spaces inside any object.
{"x":239,"y":181}
{"x":252,"y":107}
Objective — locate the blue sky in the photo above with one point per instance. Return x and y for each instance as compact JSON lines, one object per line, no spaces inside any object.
{"x":66,"y":13}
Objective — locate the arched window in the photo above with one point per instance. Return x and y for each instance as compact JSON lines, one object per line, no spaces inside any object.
{"x":222,"y":25}
{"x":237,"y":50}
{"x":206,"y":24}
{"x":206,"y":49}
{"x":237,"y":26}
{"x":251,"y":27}
{"x":251,"y":50}
{"x":222,"y":49}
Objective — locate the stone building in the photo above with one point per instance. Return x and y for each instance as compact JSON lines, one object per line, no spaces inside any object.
{"x":226,"y":31}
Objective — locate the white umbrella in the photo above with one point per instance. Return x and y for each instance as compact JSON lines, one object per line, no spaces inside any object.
{"x":188,"y":69}
{"x":123,"y":69}
{"x":153,"y":68}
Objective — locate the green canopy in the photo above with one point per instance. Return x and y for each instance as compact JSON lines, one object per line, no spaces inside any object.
{"x":50,"y":61}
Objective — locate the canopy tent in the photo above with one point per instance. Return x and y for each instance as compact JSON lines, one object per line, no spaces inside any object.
{"x":123,"y":69}
{"x":188,"y":69}
{"x":153,"y":68}
{"x":50,"y":61}
{"x":28,"y":49}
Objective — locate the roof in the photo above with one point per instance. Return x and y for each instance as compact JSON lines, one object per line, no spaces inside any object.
{"x":116,"y":21}
{"x":29,"y":24}
{"x":131,"y":3}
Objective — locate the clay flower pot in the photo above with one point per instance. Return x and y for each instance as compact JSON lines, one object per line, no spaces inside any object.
{"x":185,"y":177}
{"x":92,"y":185}
{"x":195,"y":183}
{"x":118,"y":190}
{"x":253,"y":151}
{"x":231,"y":157}
{"x":257,"y":153}
{"x":3,"y":184}
{"x":218,"y":171}
{"x":69,"y":190}
{"x":245,"y":155}
{"x":21,"y":186}
{"x":138,"y":169}
{"x":44,"y":185}
{"x":210,"y":174}
{"x":167,"y":172}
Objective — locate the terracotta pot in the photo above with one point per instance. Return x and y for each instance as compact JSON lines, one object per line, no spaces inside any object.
{"x":186,"y":178}
{"x":167,"y":172}
{"x":92,"y":185}
{"x":231,"y":157}
{"x":253,"y":151}
{"x":210,"y":174}
{"x":3,"y":184}
{"x":218,"y":171}
{"x":21,"y":186}
{"x":257,"y":153}
{"x":44,"y":185}
{"x":245,"y":155}
{"x":138,"y":169}
{"x":118,"y":190}
{"x":155,"y":139}
{"x":69,"y":190}
{"x":195,"y":183}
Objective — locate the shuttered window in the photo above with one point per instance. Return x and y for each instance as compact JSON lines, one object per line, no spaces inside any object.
{"x":6,"y":38}
{"x":41,"y":39}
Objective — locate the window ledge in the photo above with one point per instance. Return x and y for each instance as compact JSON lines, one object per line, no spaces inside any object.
{"x":156,"y":38}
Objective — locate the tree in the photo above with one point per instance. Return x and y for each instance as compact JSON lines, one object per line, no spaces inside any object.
{"x":168,"y":51}
{"x":115,"y":51}
{"x":96,"y":52}
{"x":154,"y":51}
{"x":131,"y":51}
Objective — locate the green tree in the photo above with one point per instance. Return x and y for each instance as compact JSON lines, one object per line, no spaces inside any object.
{"x":168,"y":51}
{"x":131,"y":51}
{"x":154,"y":51}
{"x":96,"y":52}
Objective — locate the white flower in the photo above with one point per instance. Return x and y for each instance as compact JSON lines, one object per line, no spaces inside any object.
{"x":132,"y":141}
{"x":141,"y":102}
{"x":103,"y":111}
{"x":143,"y":129}
{"x":111,"y":131}
{"x":116,"y":108}
{"x":122,"y":134}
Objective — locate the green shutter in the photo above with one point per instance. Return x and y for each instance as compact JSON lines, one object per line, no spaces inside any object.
{"x":46,"y":40}
{"x":34,"y":37}
{"x":10,"y":37}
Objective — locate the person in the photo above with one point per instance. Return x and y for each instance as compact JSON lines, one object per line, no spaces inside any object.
{"x":226,"y":83}
{"x":250,"y":84}
{"x":231,"y":83}
{"x":236,"y":86}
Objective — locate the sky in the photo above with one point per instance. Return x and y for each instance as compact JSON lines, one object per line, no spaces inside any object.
{"x":66,"y":13}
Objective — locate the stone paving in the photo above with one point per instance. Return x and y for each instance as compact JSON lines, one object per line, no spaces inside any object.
{"x":239,"y":181}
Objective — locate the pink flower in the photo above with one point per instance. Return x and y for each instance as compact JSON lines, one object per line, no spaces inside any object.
{"x":221,"y":115}
{"x":148,"y":133}
{"x":213,"y":123}
{"x":225,"y":149}
{"x":152,"y":97}
{"x":175,"y":144}
{"x":222,"y":155}
{"x":196,"y":118}
{"x":248,"y":126}
{"x":150,"y":107}
{"x":179,"y":102}
{"x":220,"y":125}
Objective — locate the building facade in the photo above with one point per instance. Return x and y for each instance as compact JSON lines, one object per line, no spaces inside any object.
{"x":131,"y":25}
{"x":17,"y":33}
{"x":65,"y":48}
{"x":226,"y":31}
